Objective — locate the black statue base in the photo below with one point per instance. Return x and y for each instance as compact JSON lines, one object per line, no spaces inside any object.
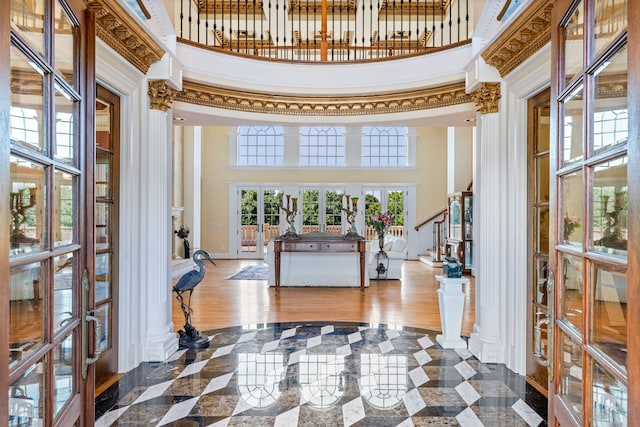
{"x":289,"y":235}
{"x":192,"y":339}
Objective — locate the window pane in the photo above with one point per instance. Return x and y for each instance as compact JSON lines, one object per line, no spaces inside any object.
{"x":542,"y":228}
{"x":611,"y":20}
{"x":65,"y":140}
{"x":610,"y":313}
{"x":26,"y":397}
{"x":27,"y":204}
{"x":64,"y":221}
{"x":103,"y":334}
{"x":610,"y":119}
{"x":65,"y":44}
{"x":570,"y":374}
{"x":572,"y":191}
{"x":26,"y":112}
{"x":574,"y":43}
{"x":572,"y":291}
{"x":384,"y":146}
{"x":103,"y":174}
{"x":609,"y":399}
{"x":103,"y":277}
{"x":63,"y":388}
{"x":542,"y":172}
{"x":260,"y":146}
{"x":103,"y":222}
{"x":610,"y":221}
{"x":27,"y":19}
{"x":26,"y":309}
{"x":572,"y":129}
{"x":63,"y":296}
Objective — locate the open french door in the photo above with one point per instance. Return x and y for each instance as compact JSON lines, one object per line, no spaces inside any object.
{"x":46,"y":176}
{"x":595,"y":206}
{"x":258,"y":219}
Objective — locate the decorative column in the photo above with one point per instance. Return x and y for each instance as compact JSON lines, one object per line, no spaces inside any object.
{"x":489,"y":213}
{"x":155,"y":225}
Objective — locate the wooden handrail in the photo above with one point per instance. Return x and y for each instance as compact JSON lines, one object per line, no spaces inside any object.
{"x":431,"y":217}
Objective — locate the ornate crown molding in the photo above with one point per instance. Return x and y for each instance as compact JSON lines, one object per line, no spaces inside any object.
{"x":421,"y":99}
{"x":160,"y":95}
{"x":528,"y":33}
{"x":487,"y":97}
{"x":123,"y":34}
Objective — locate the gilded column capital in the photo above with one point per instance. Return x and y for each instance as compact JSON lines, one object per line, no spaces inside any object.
{"x":160,"y":95}
{"x":487,"y":98}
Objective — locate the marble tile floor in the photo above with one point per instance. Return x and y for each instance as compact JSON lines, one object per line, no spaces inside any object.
{"x":321,"y":374}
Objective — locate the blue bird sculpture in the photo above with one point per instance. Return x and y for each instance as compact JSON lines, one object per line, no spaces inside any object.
{"x":190,"y":338}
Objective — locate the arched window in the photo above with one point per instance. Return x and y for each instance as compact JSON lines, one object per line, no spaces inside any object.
{"x":322,"y":146}
{"x":260,"y":146}
{"x":384,"y":146}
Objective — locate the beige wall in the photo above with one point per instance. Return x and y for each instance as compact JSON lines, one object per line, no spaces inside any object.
{"x":430,"y":175}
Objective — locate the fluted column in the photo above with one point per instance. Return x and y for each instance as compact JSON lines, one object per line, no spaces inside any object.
{"x":486,"y":342}
{"x":156,"y":228}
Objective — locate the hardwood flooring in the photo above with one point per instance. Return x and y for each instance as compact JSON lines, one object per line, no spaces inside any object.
{"x":412,"y":301}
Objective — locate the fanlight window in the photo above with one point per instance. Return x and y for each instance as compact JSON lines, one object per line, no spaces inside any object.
{"x":260,"y":146}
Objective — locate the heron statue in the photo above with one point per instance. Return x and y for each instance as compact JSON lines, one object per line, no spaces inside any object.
{"x":190,"y":337}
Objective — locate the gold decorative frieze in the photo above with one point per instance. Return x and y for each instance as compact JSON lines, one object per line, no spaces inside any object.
{"x":234,"y":7}
{"x":123,"y":34}
{"x":160,"y":95}
{"x":397,"y":9}
{"x":528,"y":33}
{"x":487,"y":98}
{"x":255,"y":102}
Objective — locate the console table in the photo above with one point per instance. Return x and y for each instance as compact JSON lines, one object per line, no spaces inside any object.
{"x":320,"y":244}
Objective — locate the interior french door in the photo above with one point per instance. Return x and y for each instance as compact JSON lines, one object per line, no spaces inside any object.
{"x":106,"y":233}
{"x":259,"y":219}
{"x":47,"y":255}
{"x":322,"y":209}
{"x":538,"y":313}
{"x":596,"y":185}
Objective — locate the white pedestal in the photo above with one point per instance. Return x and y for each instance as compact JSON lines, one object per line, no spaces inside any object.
{"x":451,"y":301}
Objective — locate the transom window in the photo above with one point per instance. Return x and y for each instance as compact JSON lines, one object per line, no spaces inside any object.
{"x":384,"y":146}
{"x":322,"y":146}
{"x":25,"y":125}
{"x":260,"y":146}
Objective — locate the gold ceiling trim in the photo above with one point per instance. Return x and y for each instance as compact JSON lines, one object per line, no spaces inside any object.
{"x":527,"y":34}
{"x":255,"y":102}
{"x":123,"y":34}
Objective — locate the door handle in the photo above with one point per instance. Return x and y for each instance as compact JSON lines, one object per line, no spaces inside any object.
{"x":86,"y":318}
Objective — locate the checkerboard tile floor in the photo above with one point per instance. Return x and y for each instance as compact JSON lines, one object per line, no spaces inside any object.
{"x":320,"y":374}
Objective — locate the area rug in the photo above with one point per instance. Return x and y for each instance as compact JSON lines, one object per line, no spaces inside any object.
{"x":252,"y":272}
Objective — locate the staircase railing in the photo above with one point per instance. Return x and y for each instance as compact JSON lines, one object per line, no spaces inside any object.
{"x":438,"y":221}
{"x":324,"y":30}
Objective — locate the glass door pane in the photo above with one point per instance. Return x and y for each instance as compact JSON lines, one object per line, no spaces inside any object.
{"x":333,"y":211}
{"x":249,"y":221}
{"x":270,"y":216}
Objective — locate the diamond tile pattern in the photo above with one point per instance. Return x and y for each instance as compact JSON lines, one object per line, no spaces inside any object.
{"x":321,"y":374}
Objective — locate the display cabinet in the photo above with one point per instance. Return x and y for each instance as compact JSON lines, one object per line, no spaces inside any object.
{"x":460,"y":231}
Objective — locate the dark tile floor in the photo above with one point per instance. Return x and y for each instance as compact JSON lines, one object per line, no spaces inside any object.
{"x":321,"y":374}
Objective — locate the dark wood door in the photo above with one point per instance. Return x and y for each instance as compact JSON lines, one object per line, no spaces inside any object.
{"x":106,"y":233}
{"x":594,"y":206}
{"x":539,"y":315}
{"x":46,"y":260}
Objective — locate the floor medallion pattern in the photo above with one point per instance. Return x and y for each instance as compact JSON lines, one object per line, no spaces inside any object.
{"x":321,"y":374}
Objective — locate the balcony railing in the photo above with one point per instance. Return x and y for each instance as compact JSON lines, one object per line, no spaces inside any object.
{"x":324,"y":30}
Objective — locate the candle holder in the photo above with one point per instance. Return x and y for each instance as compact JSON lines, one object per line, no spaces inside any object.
{"x":291,"y":210}
{"x":350,"y":207}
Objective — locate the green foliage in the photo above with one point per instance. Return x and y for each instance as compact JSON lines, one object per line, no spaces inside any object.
{"x":249,"y":205}
{"x":311,"y":212}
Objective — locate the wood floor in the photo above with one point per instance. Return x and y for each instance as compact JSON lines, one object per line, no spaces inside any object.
{"x":412,"y":301}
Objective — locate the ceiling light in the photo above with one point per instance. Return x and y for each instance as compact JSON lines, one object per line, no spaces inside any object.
{"x":178,"y":119}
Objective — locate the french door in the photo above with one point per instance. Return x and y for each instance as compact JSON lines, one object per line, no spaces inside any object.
{"x":382,"y":199}
{"x":595,"y":171}
{"x":258,"y":219}
{"x":539,"y":315}
{"x":322,"y":209}
{"x":46,"y":261}
{"x":106,"y":233}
